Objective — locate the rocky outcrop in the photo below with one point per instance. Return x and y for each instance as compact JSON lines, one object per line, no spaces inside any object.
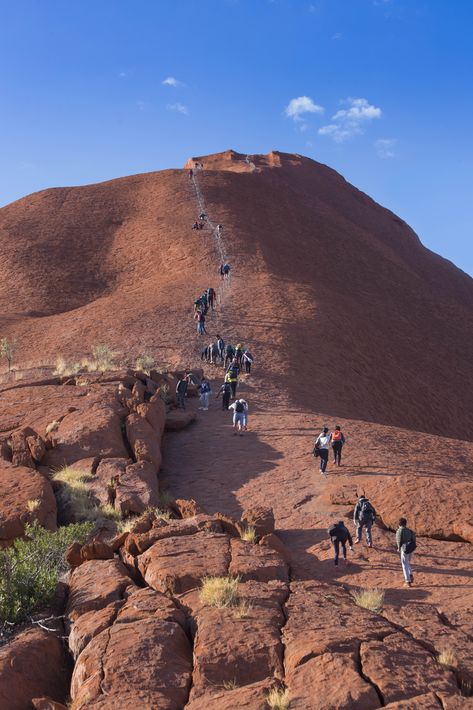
{"x":33,"y":665}
{"x":26,"y":495}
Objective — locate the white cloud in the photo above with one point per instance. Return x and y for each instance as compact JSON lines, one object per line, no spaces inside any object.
{"x":337,"y":35}
{"x":385,"y":148}
{"x":123,"y":74}
{"x":172,"y":81}
{"x":180,"y":108}
{"x":302,"y":104}
{"x":349,"y":122}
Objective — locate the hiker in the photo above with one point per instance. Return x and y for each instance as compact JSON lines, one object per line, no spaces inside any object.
{"x":201,"y":324}
{"x":406,"y":544}
{"x":200,"y":225}
{"x":226,"y":271}
{"x":364,"y":516}
{"x":338,"y":440}
{"x":181,"y":391}
{"x":247,"y":361}
{"x":219,"y":228}
{"x":197,"y":304}
{"x":232,"y":378}
{"x":191,"y":174}
{"x":195,"y":225}
{"x":340,"y":535}
{"x":321,"y":449}
{"x":204,"y":355}
{"x":239,"y":353}
{"x":205,"y":392}
{"x":226,"y":391}
{"x":211,"y":297}
{"x":229,"y":353}
{"x":202,"y":216}
{"x":222,"y":274}
{"x":214,"y":353}
{"x":239,"y":407}
{"x":221,"y":347}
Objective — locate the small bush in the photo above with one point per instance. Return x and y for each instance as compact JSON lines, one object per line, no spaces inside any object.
{"x":447,"y":657}
{"x":30,"y":569}
{"x":33,"y":504}
{"x":278,"y":699}
{"x":230,"y":685}
{"x":145,"y":363}
{"x":109,"y":512}
{"x":103,"y":357}
{"x":165,"y":499}
{"x":164,"y":393}
{"x":73,"y":497}
{"x":66,"y":369}
{"x":249,"y":535}
{"x":219,"y":591}
{"x":124,"y":526}
{"x":372,"y":599}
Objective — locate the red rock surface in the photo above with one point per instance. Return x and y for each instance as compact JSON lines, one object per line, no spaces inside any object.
{"x":33,"y":665}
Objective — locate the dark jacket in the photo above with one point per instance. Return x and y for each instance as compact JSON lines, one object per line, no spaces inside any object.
{"x":357,"y":511}
{"x":181,"y":387}
{"x":340,"y":533}
{"x":404,"y":535}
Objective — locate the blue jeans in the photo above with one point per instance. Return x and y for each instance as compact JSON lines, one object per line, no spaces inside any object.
{"x":359,"y":527}
{"x":336,"y":549}
{"x":323,"y":454}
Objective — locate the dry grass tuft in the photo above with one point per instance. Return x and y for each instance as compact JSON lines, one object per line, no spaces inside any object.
{"x":109,"y":512}
{"x":242,"y":609}
{"x":372,"y":599}
{"x":249,"y":535}
{"x":230,"y":685}
{"x":52,"y":426}
{"x":103,"y":358}
{"x":220,"y":592}
{"x":66,"y":369}
{"x":447,"y":657}
{"x":127,"y":524}
{"x":73,"y":495}
{"x":278,"y":699}
{"x":33,"y":504}
{"x":145,"y":363}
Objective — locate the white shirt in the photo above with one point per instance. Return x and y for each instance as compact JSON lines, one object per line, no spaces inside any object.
{"x":245,"y":405}
{"x":324,"y":441}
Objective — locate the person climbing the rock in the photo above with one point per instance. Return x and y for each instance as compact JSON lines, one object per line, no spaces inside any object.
{"x":181,"y":391}
{"x":222,"y":274}
{"x":204,"y":355}
{"x":229,"y":353}
{"x":221,"y":347}
{"x":204,"y":300}
{"x":232,"y":378}
{"x":239,"y":353}
{"x":226,"y":271}
{"x":211,"y":297}
{"x":364,"y":516}
{"x":226,"y":391}
{"x":340,"y":535}
{"x":239,"y":407}
{"x":214,"y":353}
{"x":247,"y":361}
{"x":202,"y":216}
{"x":196,"y":225}
{"x":205,"y":392}
{"x":406,"y":544}
{"x":191,"y":174}
{"x":201,"y":324}
{"x":219,"y":228}
{"x":197,"y":304}
{"x":321,"y":447}
{"x":338,"y":440}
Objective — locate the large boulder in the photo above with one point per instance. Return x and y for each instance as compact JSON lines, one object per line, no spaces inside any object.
{"x":260,"y":563}
{"x":107,"y":478}
{"x":178,"y":419}
{"x":26,"y":496}
{"x":28,"y":448}
{"x":93,"y":430}
{"x":143,"y":440}
{"x":94,"y":585}
{"x":32,"y":665}
{"x":154,"y":412}
{"x":138,"y":488}
{"x":177,"y":564}
{"x":245,"y":697}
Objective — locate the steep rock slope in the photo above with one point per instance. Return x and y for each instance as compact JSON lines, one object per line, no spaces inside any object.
{"x":351,"y":313}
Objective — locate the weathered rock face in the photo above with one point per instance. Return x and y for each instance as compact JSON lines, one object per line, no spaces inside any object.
{"x":33,"y":665}
{"x":94,"y":585}
{"x":94,"y":429}
{"x":401,"y":668}
{"x":259,"y":518}
{"x":28,"y":448}
{"x":256,"y":562}
{"x":26,"y":495}
{"x":249,"y":697}
{"x":107,"y":476}
{"x":138,"y":488}
{"x":143,"y":440}
{"x":177,"y":419}
{"x":177,"y":564}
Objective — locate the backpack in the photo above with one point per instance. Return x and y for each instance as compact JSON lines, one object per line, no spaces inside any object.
{"x":336,"y":435}
{"x":410,"y":545}
{"x":239,"y":407}
{"x":367,"y":512}
{"x":229,"y":350}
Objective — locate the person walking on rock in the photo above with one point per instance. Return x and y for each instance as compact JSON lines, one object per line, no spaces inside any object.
{"x":247,"y":361}
{"x":337,"y":440}
{"x":204,"y":355}
{"x":232,"y":378}
{"x":239,"y":406}
{"x":205,"y":392}
{"x":181,"y":391}
{"x":201,"y":324}
{"x":340,"y":535}
{"x":322,"y":444}
{"x":221,"y":347}
{"x":226,"y":391}
{"x":364,"y":516}
{"x":406,"y":544}
{"x":214,"y":353}
{"x":211,"y":297}
{"x":226,"y":271}
{"x":229,"y":353}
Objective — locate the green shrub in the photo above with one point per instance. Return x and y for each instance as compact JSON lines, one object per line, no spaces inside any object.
{"x":30,"y":569}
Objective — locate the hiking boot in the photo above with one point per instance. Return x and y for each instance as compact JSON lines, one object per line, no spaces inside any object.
{"x":412,"y":578}
{"x":408,"y":584}
{"x":370,"y":544}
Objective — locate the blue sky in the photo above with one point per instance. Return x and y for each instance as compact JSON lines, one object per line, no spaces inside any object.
{"x":381,"y":90}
